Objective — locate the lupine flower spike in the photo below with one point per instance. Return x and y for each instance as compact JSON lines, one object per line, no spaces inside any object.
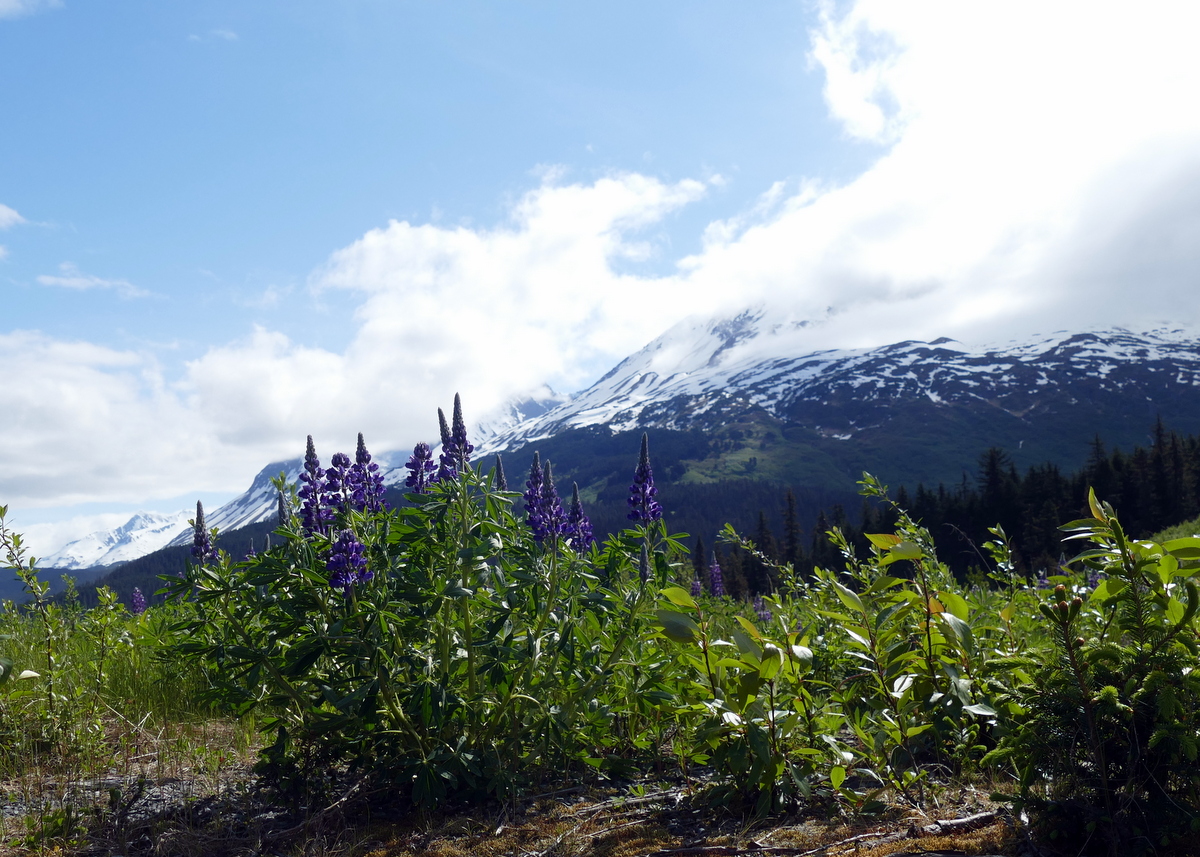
{"x":456,"y":449}
{"x":420,"y":469}
{"x":533,"y":499}
{"x":501,"y":480}
{"x":642,"y":505}
{"x":336,"y":497}
{"x":346,"y":564}
{"x":761,"y":610}
{"x":716,"y":580}
{"x":444,"y":471}
{"x":202,"y":546}
{"x":137,"y":603}
{"x":367,"y":490}
{"x":284,"y":517}
{"x":697,"y":587}
{"x":579,"y":528}
{"x":554,"y":520}
{"x":312,"y":484}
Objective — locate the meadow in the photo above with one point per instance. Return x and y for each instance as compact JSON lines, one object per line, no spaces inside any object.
{"x":476,"y":648}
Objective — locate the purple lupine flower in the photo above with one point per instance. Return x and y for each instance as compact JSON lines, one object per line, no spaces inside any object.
{"x":445,"y":460}
{"x":366,"y":481}
{"x":420,"y":467}
{"x":137,"y":604}
{"x":578,"y":527}
{"x":549,"y":521}
{"x":642,"y":505}
{"x":501,"y":479}
{"x":313,"y":515}
{"x":761,"y":610}
{"x":716,"y":579}
{"x":1094,"y":576}
{"x":346,"y":564}
{"x":697,"y":587}
{"x":338,"y":488}
{"x":644,"y":564}
{"x":456,"y":449}
{"x":533,"y":498}
{"x":252,"y":553}
{"x":202,"y":547}
{"x":1043,"y":581}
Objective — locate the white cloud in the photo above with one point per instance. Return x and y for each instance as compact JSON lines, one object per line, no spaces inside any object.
{"x":8,"y":216}
{"x":1039,"y":168}
{"x":19,"y":8}
{"x":70,"y":277}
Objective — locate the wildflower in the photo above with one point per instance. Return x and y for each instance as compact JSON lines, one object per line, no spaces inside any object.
{"x":202,"y":547}
{"x":346,"y":564}
{"x":366,"y":481}
{"x":336,"y":496}
{"x":642,"y":505}
{"x":313,"y":517}
{"x":501,"y":480}
{"x":544,"y":509}
{"x":760,"y":609}
{"x":283,"y":511}
{"x":420,"y":466}
{"x":716,"y":580}
{"x":1094,"y":576}
{"x":445,"y":462}
{"x":137,"y":602}
{"x":1043,"y":582}
{"x":578,"y":527}
{"x":697,"y":587}
{"x":456,"y":449}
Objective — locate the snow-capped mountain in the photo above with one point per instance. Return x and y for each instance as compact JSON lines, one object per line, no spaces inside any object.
{"x":909,"y":411}
{"x":144,"y":533}
{"x":706,"y":373}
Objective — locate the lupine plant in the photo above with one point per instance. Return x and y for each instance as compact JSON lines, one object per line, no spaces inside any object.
{"x":445,"y":646}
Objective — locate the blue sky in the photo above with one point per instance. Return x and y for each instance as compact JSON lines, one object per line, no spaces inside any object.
{"x":226,"y":225}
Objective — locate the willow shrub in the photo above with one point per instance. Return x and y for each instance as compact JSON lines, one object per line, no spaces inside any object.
{"x":462,"y":656}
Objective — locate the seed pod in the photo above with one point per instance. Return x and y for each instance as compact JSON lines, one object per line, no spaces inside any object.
{"x":1079,"y":641}
{"x":1060,"y":591}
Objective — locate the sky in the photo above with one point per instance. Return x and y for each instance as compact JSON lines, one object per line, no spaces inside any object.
{"x":225,"y":226}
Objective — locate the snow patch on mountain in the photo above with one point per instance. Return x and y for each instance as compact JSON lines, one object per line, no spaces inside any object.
{"x":144,"y":533}
{"x":701,"y":370}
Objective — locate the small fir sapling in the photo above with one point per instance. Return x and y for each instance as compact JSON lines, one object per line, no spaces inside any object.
{"x":642,"y":505}
{"x":420,"y":469}
{"x":578,"y":527}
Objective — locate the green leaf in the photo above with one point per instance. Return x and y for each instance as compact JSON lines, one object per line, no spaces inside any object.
{"x":1108,"y":588}
{"x":980,"y":710}
{"x":772,"y":662}
{"x":956,"y":604}
{"x":749,"y":626}
{"x":848,"y":597}
{"x":837,"y":776}
{"x":883,"y":541}
{"x":678,"y":627}
{"x":679,"y":597}
{"x":906,"y":550}
{"x":1186,"y":548}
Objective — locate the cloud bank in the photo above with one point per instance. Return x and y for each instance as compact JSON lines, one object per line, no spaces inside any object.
{"x":1038,"y":169}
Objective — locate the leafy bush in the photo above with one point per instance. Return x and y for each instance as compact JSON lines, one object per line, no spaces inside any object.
{"x":1111,"y":723}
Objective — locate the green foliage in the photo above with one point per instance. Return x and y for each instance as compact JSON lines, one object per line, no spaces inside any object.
{"x":472,"y":660}
{"x":1108,"y":724}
